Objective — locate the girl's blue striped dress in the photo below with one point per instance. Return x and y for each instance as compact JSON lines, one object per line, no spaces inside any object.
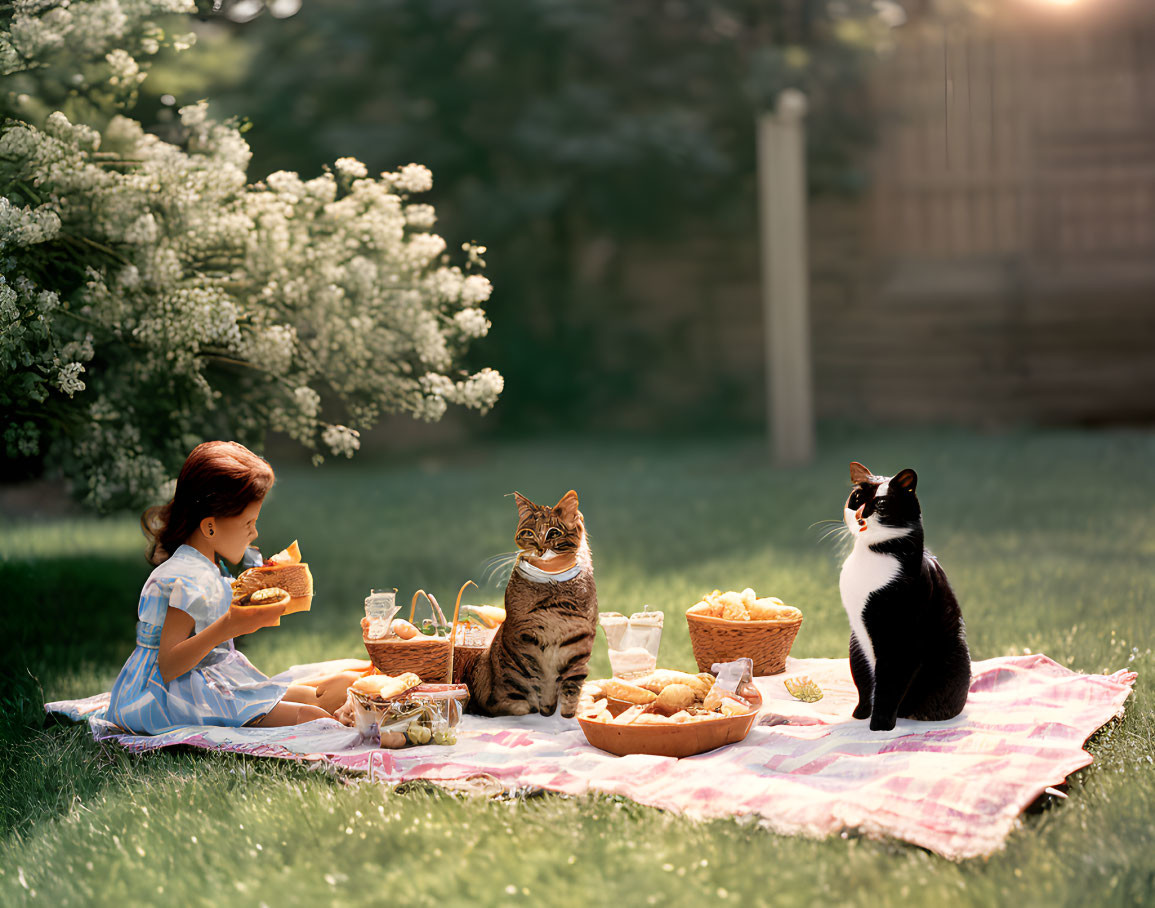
{"x":223,"y":689}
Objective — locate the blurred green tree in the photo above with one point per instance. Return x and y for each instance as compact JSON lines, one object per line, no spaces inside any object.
{"x":557,"y":130}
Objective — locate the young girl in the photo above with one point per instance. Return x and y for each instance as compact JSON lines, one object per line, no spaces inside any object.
{"x":185,"y":669}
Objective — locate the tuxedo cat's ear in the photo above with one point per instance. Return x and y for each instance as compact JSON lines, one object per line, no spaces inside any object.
{"x":524,"y":506}
{"x":568,"y":506}
{"x":905,"y":480}
{"x":859,"y":473}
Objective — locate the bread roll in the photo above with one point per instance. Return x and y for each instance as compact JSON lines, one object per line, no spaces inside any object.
{"x":386,"y":686}
{"x":270,"y":595}
{"x":675,"y":697}
{"x":631,"y":693}
{"x":664,"y":677}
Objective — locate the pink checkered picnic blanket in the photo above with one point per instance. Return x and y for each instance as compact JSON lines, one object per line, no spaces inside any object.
{"x":956,"y":788}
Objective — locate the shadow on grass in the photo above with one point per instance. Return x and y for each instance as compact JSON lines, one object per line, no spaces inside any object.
{"x":67,"y":631}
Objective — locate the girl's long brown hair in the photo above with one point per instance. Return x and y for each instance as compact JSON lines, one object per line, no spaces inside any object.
{"x":219,"y":479}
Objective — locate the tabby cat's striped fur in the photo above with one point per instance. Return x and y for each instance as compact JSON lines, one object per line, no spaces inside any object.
{"x":540,"y":655}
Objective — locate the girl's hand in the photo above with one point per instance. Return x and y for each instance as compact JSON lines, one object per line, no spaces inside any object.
{"x":244,"y":619}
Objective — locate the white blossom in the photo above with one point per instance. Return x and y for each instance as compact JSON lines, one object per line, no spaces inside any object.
{"x":26,"y":226}
{"x":125,"y":71}
{"x":481,"y":391}
{"x":272,"y":348}
{"x":422,"y":248}
{"x":475,"y":289}
{"x":286,"y":183}
{"x":194,"y":114}
{"x":350,"y":168}
{"x":420,"y":217}
{"x":472,"y":322}
{"x":308,"y":400}
{"x":341,"y":440}
{"x":141,"y":231}
{"x":68,"y":378}
{"x":412,"y":178}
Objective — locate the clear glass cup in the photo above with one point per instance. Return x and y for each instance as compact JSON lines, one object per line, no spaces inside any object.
{"x":380,"y":607}
{"x":633,"y":642}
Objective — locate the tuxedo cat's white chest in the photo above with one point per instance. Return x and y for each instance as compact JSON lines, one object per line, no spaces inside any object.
{"x":862,"y":573}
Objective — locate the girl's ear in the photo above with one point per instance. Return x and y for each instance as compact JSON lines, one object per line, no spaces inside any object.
{"x":207,"y":527}
{"x":905,"y":480}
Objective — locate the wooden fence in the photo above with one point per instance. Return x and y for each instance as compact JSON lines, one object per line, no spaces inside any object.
{"x":1000,"y":270}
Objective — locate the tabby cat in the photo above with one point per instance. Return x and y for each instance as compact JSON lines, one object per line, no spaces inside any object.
{"x":908,"y":648}
{"x":540,"y":655}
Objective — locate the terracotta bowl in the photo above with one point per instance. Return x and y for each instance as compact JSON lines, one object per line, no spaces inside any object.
{"x":682,"y":740}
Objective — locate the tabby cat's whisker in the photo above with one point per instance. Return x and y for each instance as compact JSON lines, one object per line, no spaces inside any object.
{"x":499,"y":566}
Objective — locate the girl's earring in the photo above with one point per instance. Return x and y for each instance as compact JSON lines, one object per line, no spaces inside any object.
{"x":210,"y":531}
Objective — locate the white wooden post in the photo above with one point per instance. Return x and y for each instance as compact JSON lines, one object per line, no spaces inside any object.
{"x":786,"y":278}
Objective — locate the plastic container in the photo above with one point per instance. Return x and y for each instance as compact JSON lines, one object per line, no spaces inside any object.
{"x":435,"y":707}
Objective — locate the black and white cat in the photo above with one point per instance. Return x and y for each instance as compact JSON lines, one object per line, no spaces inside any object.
{"x":908,"y":649}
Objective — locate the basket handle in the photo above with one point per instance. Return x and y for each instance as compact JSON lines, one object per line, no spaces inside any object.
{"x":413,"y":604}
{"x":453,"y":630}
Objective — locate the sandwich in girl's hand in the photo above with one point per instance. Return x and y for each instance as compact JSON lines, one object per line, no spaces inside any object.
{"x":284,"y":571}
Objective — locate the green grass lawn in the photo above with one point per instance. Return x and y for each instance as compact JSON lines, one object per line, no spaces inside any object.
{"x":1048,"y":538}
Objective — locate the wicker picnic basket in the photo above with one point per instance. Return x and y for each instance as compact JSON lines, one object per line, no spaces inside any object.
{"x":469,"y":644}
{"x":430,"y":658}
{"x":721,"y":640}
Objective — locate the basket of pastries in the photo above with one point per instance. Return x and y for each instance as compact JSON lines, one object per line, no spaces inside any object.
{"x":401,"y":710}
{"x":670,"y":713}
{"x":282,"y":580}
{"x":730,"y":625}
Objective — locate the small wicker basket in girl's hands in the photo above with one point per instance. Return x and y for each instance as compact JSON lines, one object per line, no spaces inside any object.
{"x":728,"y":626}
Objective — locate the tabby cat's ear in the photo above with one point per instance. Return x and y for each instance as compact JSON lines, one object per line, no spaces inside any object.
{"x":524,"y":506}
{"x":568,"y":506}
{"x":859,"y":473}
{"x":905,"y":480}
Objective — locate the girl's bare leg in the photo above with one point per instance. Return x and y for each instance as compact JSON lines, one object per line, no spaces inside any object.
{"x":327,"y":693}
{"x":289,"y":713}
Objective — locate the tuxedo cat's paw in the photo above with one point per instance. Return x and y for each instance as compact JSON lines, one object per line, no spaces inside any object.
{"x":861,"y":711}
{"x":880,"y":723}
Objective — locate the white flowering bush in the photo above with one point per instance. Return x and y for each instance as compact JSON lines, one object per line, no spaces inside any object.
{"x":151,"y":296}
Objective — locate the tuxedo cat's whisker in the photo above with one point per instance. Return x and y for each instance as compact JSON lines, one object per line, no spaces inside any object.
{"x":839,"y":531}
